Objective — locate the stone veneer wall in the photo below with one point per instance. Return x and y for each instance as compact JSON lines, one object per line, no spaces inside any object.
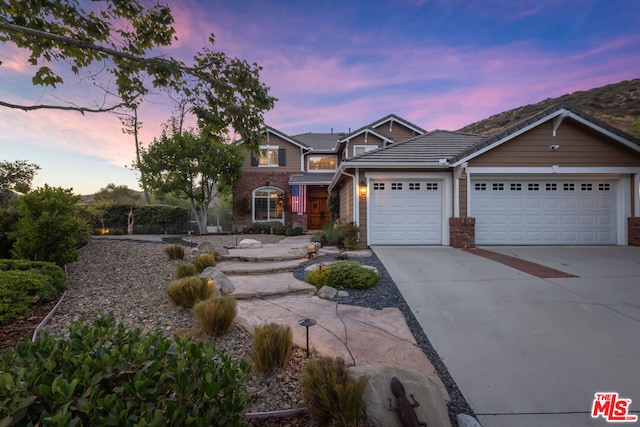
{"x":244,"y":189}
{"x":462,"y":232}
{"x":633,"y":230}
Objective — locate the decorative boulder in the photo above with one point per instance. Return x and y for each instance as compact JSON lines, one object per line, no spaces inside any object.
{"x":314,"y":267}
{"x":207,"y":247}
{"x":301,"y":252}
{"x":372,"y":268}
{"x":327,"y":292}
{"x":432,"y":407}
{"x":220,"y":279}
{"x":249,"y":244}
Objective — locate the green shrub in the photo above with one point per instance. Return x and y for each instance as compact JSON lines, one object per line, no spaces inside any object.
{"x":294,"y":231}
{"x":55,"y":273}
{"x":51,"y":226}
{"x":272,"y":346}
{"x":185,"y":270}
{"x":275,"y":227}
{"x":332,"y":395}
{"x":24,"y":283}
{"x":174,"y":252}
{"x":342,"y":257}
{"x":216,"y":315}
{"x":107,"y":375}
{"x":349,"y":234}
{"x":186,"y":291}
{"x":343,"y":274}
{"x":201,"y":262}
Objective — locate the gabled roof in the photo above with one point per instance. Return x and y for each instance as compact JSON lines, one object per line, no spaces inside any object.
{"x":365,"y":131}
{"x":321,"y":142}
{"x":557,"y":113}
{"x":269,"y":130}
{"x":433,"y":150}
{"x":391,"y":118}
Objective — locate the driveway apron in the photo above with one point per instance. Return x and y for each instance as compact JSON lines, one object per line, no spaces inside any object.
{"x":529,"y":351}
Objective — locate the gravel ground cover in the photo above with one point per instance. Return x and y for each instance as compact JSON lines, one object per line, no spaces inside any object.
{"x":127,"y":279}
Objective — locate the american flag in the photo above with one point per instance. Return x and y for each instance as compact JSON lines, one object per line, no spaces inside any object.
{"x":298,"y":198}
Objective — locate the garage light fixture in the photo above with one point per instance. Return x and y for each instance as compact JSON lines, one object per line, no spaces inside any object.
{"x":554,"y":147}
{"x":362,"y":189}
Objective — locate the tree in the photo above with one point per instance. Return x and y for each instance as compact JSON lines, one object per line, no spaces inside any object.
{"x":15,"y":177}
{"x":118,"y":195}
{"x":193,"y":165}
{"x":111,"y":44}
{"x":50,"y":227}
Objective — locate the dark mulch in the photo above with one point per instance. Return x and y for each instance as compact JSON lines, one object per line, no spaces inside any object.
{"x":24,"y":326}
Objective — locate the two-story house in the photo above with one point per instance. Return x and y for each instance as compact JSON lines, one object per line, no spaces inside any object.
{"x":289,"y":180}
{"x":560,"y":177}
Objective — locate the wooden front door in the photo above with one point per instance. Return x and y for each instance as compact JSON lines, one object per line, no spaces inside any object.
{"x":318,"y":213}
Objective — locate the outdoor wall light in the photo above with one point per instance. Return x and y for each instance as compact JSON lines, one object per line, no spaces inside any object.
{"x":554,"y":147}
{"x":307,"y":323}
{"x":363,"y":189}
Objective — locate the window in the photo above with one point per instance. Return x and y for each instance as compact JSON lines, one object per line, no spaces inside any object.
{"x":321,"y":163}
{"x":481,"y":186}
{"x":268,"y":156}
{"x":568,"y":186}
{"x":551,"y":186}
{"x":515,"y":186}
{"x":431,"y":186}
{"x":414,"y":186}
{"x":532,"y":186}
{"x":586,"y":187}
{"x":396,"y":186}
{"x":361,"y":149}
{"x":378,"y":185}
{"x":268,"y":203}
{"x":498,"y":186}
{"x":604,"y":187}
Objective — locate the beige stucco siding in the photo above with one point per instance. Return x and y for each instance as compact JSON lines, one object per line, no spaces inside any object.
{"x":579,"y":146}
{"x":293,"y":153}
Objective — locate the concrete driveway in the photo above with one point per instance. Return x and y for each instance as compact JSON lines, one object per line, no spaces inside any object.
{"x":527,"y":351}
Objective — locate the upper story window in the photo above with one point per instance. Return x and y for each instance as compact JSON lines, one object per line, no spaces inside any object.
{"x":268,"y":155}
{"x":361,"y":149}
{"x":319,"y":163}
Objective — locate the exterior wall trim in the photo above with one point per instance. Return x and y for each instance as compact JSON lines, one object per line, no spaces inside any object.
{"x":447,"y":195}
{"x":552,"y":170}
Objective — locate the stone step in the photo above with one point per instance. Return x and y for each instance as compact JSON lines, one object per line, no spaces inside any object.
{"x":258,"y":258}
{"x":240,"y":267}
{"x":268,"y":285}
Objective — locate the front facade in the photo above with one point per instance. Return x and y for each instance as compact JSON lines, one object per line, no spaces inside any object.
{"x":289,"y":181}
{"x":558,"y":178}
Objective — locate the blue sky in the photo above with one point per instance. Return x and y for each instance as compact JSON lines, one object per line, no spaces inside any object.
{"x":441,"y":64}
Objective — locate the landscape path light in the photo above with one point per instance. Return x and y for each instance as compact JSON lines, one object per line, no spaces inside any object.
{"x":307,"y":323}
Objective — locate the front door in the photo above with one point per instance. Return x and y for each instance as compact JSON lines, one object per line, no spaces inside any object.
{"x":318,"y":213}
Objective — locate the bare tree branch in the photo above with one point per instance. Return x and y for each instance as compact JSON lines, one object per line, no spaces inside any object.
{"x":81,"y":110}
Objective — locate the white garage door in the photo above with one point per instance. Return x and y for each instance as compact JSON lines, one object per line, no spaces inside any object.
{"x":405,"y":212}
{"x":544,"y":212}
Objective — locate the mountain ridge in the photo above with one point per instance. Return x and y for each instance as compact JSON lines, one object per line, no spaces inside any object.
{"x":617,"y":104}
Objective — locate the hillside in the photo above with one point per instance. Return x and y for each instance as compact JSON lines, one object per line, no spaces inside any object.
{"x":617,"y":104}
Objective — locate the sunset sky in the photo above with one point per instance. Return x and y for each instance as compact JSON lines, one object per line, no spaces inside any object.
{"x":441,"y":64}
